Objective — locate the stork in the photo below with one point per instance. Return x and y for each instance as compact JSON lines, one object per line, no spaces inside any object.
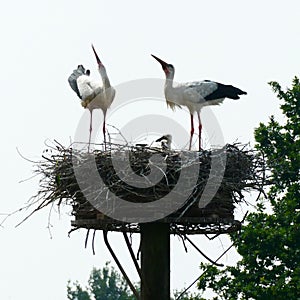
{"x":92,"y":94}
{"x":165,"y":141}
{"x":195,"y":95}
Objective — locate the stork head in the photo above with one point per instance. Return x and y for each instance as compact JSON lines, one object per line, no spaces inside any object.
{"x":168,"y":68}
{"x":167,"y":137}
{"x":97,"y":58}
{"x":166,"y":141}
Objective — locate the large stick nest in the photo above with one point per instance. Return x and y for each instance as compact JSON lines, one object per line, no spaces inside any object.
{"x":244,"y":171}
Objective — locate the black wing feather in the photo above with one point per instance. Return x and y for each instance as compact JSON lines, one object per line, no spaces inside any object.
{"x":225,"y":91}
{"x":74,"y":76}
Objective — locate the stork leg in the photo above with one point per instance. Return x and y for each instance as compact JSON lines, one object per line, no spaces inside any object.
{"x":200,"y":129}
{"x":104,"y":129}
{"x":192,"y":131}
{"x":90,"y":130}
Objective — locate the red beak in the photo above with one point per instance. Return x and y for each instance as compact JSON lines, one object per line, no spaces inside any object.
{"x":97,"y":57}
{"x":163,"y":63}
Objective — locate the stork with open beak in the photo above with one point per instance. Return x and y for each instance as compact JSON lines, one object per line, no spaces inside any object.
{"x":195,"y":95}
{"x":93,"y":94}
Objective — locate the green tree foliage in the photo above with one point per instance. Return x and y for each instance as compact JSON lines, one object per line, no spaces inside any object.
{"x":108,"y":284}
{"x":103,"y":284}
{"x":76,"y":292}
{"x":187,"y":296}
{"x":270,"y":243}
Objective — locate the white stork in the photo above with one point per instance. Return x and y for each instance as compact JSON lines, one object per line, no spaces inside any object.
{"x":91,"y":93}
{"x":166,"y":141}
{"x":195,"y":95}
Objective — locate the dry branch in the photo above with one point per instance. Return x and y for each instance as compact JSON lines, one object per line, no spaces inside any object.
{"x":244,"y":171}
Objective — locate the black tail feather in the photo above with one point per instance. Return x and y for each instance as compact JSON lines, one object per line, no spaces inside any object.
{"x":233,"y":92}
{"x":225,"y":91}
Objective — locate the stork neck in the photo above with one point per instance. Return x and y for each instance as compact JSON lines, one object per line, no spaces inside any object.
{"x":169,"y":81}
{"x":105,"y":79}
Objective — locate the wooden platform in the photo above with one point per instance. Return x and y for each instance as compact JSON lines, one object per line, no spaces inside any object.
{"x":184,"y":225}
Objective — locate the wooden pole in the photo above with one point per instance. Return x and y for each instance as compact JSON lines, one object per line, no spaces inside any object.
{"x":155,"y":265}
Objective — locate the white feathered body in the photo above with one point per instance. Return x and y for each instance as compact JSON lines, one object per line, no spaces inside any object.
{"x":191,"y":94}
{"x":93,"y":95}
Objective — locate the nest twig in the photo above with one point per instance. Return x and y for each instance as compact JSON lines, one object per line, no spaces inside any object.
{"x":244,"y":171}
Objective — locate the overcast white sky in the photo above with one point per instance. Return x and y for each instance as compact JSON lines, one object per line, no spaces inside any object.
{"x":245,"y":43}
